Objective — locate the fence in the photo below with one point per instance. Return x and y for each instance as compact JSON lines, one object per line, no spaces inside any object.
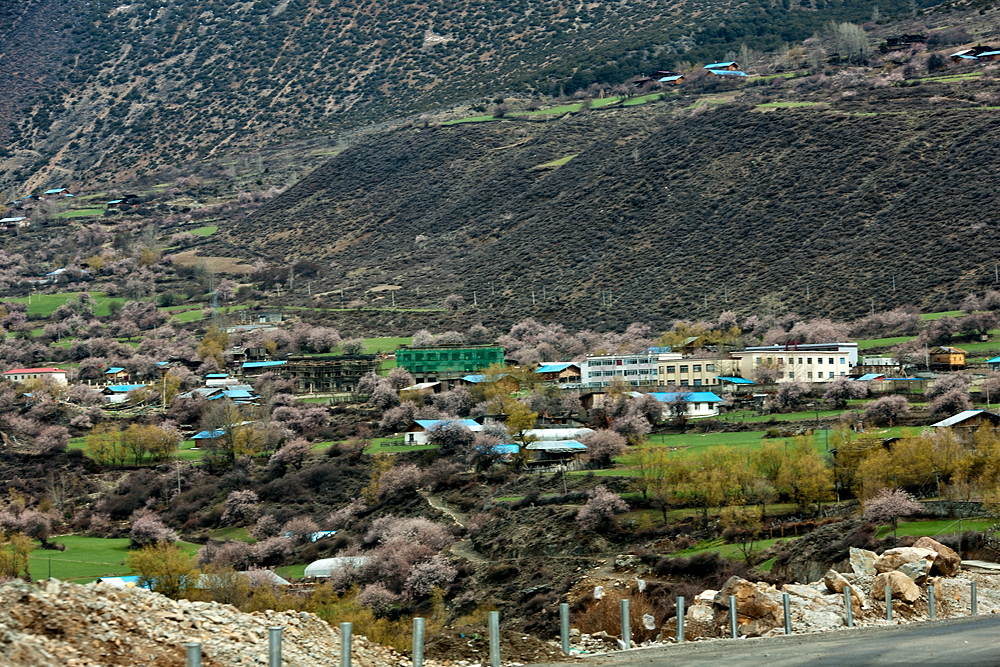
{"x":194,"y":657}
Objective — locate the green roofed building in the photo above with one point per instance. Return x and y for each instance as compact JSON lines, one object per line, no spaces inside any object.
{"x":447,"y":363}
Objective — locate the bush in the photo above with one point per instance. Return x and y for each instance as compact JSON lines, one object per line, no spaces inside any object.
{"x":378,"y":598}
{"x":398,"y":481}
{"x":428,"y":575}
{"x":241,"y":507}
{"x":600,"y":510}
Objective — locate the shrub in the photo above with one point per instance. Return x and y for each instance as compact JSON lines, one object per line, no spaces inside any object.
{"x":241,"y":507}
{"x":398,"y":481}
{"x":948,"y":383}
{"x":343,"y":517}
{"x":417,"y":530}
{"x":273,"y":551}
{"x":428,"y":575}
{"x":600,"y":510}
{"x":266,"y":526}
{"x":300,"y":529}
{"x":148,"y":529}
{"x":378,"y":598}
{"x":450,"y":436}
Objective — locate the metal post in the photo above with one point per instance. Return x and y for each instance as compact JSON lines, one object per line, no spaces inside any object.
{"x":626,"y":629}
{"x":849,"y":606}
{"x":930,"y":601}
{"x":563,"y":626}
{"x":788,"y":614}
{"x":975,"y":606}
{"x":345,"y":644}
{"x":418,"y":642}
{"x":680,"y":620}
{"x":274,"y":647}
{"x":732,"y":616}
{"x":494,"y":621}
{"x":888,"y":603}
{"x":193,"y":654}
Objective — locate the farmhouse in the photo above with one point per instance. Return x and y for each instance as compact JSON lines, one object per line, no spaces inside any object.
{"x":24,"y":374}
{"x":418,"y":432}
{"x":328,"y":372}
{"x":559,"y":373}
{"x":694,"y":371}
{"x":116,"y":374}
{"x":969,"y":420}
{"x":729,"y":66}
{"x":944,"y":358}
{"x":699,"y":403}
{"x":118,"y":393}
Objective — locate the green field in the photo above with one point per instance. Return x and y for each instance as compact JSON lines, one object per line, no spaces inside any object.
{"x":785,"y":105}
{"x":205,"y":231}
{"x":883,"y":342}
{"x":376,"y":345}
{"x":557,"y":163}
{"x":934,"y":527}
{"x":46,"y":304}
{"x":79,"y":213}
{"x":938,"y":316}
{"x":87,"y":558}
{"x":474,"y":119}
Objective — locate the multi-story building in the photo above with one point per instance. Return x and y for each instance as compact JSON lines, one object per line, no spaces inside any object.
{"x":447,"y":363}
{"x":637,"y":370}
{"x":695,"y":371}
{"x":328,"y":372}
{"x":812,"y":362}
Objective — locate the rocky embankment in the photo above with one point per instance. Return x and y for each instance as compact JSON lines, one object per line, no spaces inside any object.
{"x":67,"y":625}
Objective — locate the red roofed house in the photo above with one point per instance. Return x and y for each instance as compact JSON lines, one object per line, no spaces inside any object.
{"x":23,"y":374}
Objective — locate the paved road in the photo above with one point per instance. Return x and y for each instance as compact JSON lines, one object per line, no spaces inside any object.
{"x":961,"y":642}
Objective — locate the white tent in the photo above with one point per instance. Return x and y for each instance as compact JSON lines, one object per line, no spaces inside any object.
{"x":327,"y":566}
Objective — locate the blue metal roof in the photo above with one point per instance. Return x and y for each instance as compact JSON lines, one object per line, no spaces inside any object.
{"x":54,"y":192}
{"x":475,"y":379}
{"x":206,"y":435}
{"x":994,"y":360}
{"x":262,"y":364}
{"x":718,"y":65}
{"x":553,"y":368}
{"x":989,"y":53}
{"x":507,"y":449}
{"x":868,"y":377}
{"x":217,"y":375}
{"x":123,"y":388}
{"x":116,"y":369}
{"x":161,"y":364}
{"x":115,"y":201}
{"x":669,"y":79}
{"x":557,"y":445}
{"x":968,"y":57}
{"x":693,"y":397}
{"x":736,"y":380}
{"x":726,"y":72}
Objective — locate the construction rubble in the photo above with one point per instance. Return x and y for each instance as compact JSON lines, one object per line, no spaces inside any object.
{"x":67,"y":625}
{"x":821,"y":605}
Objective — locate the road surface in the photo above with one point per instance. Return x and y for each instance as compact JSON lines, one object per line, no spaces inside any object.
{"x":972,"y":642}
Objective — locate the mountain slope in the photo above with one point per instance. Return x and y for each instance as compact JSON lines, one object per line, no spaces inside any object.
{"x":661,"y":213}
{"x":118,"y":88}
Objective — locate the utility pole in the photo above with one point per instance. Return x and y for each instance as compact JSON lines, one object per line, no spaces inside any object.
{"x":894,"y":283}
{"x":532,"y":297}
{"x":475,"y":301}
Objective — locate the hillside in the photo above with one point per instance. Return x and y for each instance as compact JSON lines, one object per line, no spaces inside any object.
{"x":717,"y":207}
{"x":96,"y":91}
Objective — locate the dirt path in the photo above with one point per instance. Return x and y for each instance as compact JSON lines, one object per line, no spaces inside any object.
{"x":463,"y":548}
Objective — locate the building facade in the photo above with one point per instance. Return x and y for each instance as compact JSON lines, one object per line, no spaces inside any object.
{"x":637,"y":370}
{"x":813,"y":362}
{"x":695,"y":371}
{"x":328,"y":372}
{"x":447,"y":363}
{"x":24,"y":374}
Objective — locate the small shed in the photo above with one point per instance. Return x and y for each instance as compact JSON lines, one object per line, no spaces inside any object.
{"x":729,"y":66}
{"x":417,"y":433}
{"x":944,"y":358}
{"x":969,"y":420}
{"x":699,"y":403}
{"x":727,"y":72}
{"x":116,"y":374}
{"x":118,"y":393}
{"x":553,"y":451}
{"x":218,"y":380}
{"x":559,"y":373}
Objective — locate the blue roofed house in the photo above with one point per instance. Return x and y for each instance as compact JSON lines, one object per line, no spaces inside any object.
{"x":118,"y":393}
{"x":699,"y":403}
{"x":726,"y":72}
{"x":559,"y":373}
{"x":418,"y":432}
{"x":115,"y":375}
{"x":994,"y":363}
{"x":252,"y":369}
{"x":729,"y":65}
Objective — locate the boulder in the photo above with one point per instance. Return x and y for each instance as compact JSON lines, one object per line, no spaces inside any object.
{"x":947,"y":563}
{"x":903,"y":588}
{"x":807,"y":592}
{"x":699,"y":621}
{"x":835,"y":581}
{"x":917,"y":570}
{"x":758,"y":607}
{"x":863,"y":562}
{"x":892,"y":559}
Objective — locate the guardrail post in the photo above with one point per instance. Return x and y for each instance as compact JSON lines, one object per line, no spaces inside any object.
{"x":494,"y":621}
{"x":418,"y":642}
{"x":626,"y":627}
{"x":345,"y":644}
{"x":975,"y":607}
{"x":732,"y":616}
{"x":680,"y":620}
{"x":849,"y":617}
{"x":788,"y":614}
{"x":193,"y":654}
{"x":274,"y":647}
{"x":563,"y":626}
{"x":888,"y":603}
{"x":930,"y":601}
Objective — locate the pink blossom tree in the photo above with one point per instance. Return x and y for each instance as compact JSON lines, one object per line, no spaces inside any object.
{"x":604,"y":445}
{"x":887,"y":410}
{"x":148,"y":528}
{"x":599,"y":512}
{"x":889,"y":505}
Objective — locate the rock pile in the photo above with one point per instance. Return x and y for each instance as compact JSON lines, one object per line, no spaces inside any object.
{"x":820,"y":605}
{"x":67,"y":625}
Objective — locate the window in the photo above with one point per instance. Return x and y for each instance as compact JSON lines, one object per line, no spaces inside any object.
{"x":684,"y":383}
{"x":800,"y":360}
{"x":842,"y":373}
{"x":697,"y":383}
{"x":756,"y":360}
{"x":631,"y":361}
{"x":631,"y":372}
{"x":781,"y":361}
{"x":609,"y":373}
{"x":684,"y":369}
{"x":710,"y":367}
{"x":618,"y":362}
{"x":791,"y":375}
{"x":819,"y":360}
{"x":697,"y":406}
{"x":842,"y":361}
{"x":671,"y":369}
{"x":661,"y":370}
{"x":594,"y":374}
{"x":809,"y":375}
{"x":831,"y":361}
{"x":696,"y":368}
{"x":809,"y":360}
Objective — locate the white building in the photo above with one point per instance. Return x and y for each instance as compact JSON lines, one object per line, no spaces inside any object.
{"x":700,"y":404}
{"x":813,"y":362}
{"x":419,"y":432}
{"x":23,"y":374}
{"x":635,"y":369}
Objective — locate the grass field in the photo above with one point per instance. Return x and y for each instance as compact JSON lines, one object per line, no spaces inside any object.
{"x":883,"y":342}
{"x":785,"y":105}
{"x":557,"y":163}
{"x":79,"y":213}
{"x":205,"y":231}
{"x":87,"y":558}
{"x":934,"y":527}
{"x":46,"y":304}
{"x":938,"y":316}
{"x":376,"y":345}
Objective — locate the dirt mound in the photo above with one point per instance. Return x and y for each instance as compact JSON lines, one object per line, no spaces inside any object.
{"x":67,"y":625}
{"x":809,"y":557}
{"x":472,"y":644}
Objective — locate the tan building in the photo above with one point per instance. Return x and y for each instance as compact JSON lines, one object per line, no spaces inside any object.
{"x":694,"y":371}
{"x":813,"y":362}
